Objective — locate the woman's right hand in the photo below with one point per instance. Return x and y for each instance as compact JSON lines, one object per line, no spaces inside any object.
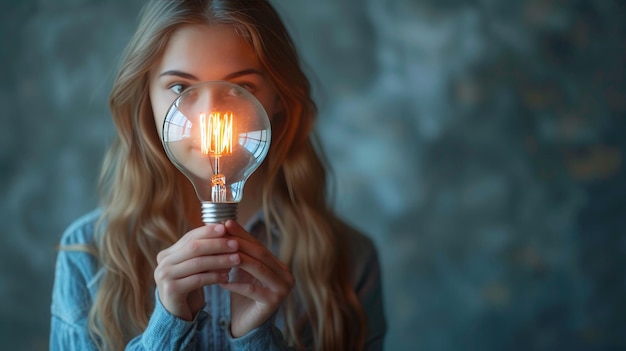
{"x":203,"y":256}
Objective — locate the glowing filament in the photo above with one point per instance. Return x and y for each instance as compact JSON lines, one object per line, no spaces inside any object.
{"x":216,"y":134}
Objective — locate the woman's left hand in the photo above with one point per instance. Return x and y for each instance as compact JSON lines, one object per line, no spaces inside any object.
{"x":258,"y":285}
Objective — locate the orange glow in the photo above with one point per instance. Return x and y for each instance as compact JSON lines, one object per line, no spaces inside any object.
{"x":216,"y":133}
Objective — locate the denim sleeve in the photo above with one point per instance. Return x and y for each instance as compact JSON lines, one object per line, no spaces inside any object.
{"x":65,"y":336}
{"x":75,"y":285}
{"x":75,"y":275}
{"x":265,"y":337}
{"x":167,"y":332}
{"x":69,"y":330}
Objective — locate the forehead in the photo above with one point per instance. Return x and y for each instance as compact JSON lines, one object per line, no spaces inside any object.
{"x":208,"y":52}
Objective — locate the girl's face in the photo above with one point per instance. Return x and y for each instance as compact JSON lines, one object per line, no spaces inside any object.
{"x":198,"y":53}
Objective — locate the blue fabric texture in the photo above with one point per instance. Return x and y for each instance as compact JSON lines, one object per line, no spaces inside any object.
{"x":77,"y":276}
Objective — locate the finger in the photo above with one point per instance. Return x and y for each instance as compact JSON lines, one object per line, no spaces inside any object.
{"x":257,"y":249}
{"x":197,"y":265}
{"x":235,"y":229}
{"x":204,"y":232}
{"x":262,"y":254}
{"x":253,"y":292}
{"x":208,"y":231}
{"x":281,"y":281}
{"x":201,"y":247}
{"x":253,"y":248}
{"x":192,"y":282}
{"x":257,"y":293}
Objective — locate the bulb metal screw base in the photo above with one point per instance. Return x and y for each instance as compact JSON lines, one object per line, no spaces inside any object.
{"x":218,"y":212}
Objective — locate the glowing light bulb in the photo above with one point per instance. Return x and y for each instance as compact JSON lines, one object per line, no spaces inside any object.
{"x":217,"y":134}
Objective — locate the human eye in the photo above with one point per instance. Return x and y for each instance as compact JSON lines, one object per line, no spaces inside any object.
{"x":178,"y":88}
{"x":248,"y":86}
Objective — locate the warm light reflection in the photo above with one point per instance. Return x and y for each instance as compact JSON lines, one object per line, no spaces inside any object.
{"x":216,"y":132}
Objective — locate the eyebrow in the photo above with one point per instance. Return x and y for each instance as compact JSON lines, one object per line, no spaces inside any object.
{"x":244,"y":72}
{"x":189,"y":76}
{"x":178,"y":74}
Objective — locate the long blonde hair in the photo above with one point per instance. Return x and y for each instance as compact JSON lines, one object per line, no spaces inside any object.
{"x":143,"y":206}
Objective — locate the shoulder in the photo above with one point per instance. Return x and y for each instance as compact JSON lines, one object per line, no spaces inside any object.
{"x":362,"y":253}
{"x":76,"y":272}
{"x":77,"y":249}
{"x":81,"y":231}
{"x":359,"y":246}
{"x":366,"y":278}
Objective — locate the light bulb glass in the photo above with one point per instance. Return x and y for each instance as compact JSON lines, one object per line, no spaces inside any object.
{"x":217,"y":134}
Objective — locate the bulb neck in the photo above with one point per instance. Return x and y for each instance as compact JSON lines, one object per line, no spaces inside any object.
{"x":218,"y":212}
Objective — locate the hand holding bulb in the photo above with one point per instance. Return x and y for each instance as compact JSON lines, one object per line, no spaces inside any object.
{"x":205,"y":256}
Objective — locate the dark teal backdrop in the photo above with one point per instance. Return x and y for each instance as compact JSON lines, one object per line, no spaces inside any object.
{"x":479,"y":143}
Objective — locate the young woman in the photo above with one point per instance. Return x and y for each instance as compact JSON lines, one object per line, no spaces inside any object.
{"x":144,"y":273}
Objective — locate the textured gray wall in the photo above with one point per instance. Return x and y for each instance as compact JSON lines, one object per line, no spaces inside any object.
{"x":479,"y":143}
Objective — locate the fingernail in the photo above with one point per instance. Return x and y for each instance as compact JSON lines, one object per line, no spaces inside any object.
{"x":219,"y":229}
{"x":224,"y":277}
{"x":232,"y":244}
{"x":234,"y":258}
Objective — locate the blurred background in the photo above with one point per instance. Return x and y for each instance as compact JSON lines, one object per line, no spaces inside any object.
{"x":479,"y":143}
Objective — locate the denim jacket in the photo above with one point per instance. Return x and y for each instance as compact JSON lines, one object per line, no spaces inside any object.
{"x":76,"y":283}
